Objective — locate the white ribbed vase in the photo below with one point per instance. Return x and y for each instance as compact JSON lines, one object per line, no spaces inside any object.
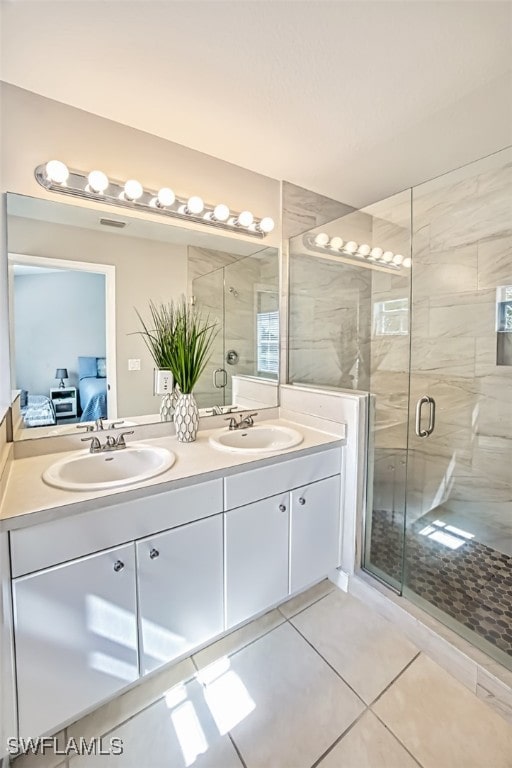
{"x":186,"y":418}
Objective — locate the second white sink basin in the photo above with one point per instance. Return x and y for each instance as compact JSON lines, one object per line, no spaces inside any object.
{"x":109,"y":469}
{"x":257,"y":439}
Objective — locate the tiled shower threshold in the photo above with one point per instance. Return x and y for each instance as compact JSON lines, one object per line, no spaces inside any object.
{"x":481,"y":674}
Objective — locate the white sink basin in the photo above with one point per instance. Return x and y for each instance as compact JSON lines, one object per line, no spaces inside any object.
{"x":257,"y":439}
{"x":86,"y":471}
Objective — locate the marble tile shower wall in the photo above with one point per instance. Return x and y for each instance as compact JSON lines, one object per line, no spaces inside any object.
{"x":330,"y":321}
{"x":230,"y":296}
{"x":462,"y":243}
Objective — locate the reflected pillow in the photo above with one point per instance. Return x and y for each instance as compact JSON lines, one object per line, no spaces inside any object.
{"x":87,"y":368}
{"x":101,"y":367}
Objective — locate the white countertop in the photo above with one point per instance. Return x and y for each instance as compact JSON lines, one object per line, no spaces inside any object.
{"x":28,"y":500}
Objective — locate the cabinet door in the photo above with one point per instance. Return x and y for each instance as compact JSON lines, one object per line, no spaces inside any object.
{"x":314,"y":532}
{"x":76,"y":637}
{"x":180,"y":582}
{"x":256,"y":557}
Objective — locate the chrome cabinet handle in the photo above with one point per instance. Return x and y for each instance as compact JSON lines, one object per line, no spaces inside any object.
{"x":420,"y":431}
{"x":118,"y":566}
{"x":154,"y":553}
{"x":282,"y":508}
{"x":302,"y":501}
{"x":224,"y":376}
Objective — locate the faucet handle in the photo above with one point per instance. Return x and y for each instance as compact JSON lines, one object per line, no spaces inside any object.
{"x":87,"y":427}
{"x":249,"y":420}
{"x":232,"y":422}
{"x":95,"y":443}
{"x":115,"y":424}
{"x":121,"y":442}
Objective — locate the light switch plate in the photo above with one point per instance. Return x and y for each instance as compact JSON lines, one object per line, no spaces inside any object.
{"x":163,"y":382}
{"x":133,"y":365}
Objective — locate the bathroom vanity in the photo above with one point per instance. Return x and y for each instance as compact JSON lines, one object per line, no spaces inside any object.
{"x":109,"y":586}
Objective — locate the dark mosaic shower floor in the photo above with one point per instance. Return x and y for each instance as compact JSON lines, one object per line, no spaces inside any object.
{"x":472,"y":584}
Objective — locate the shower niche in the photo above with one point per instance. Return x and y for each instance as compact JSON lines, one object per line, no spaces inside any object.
{"x":504,"y":325}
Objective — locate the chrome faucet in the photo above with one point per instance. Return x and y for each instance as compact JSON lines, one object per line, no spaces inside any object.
{"x":245,"y":421}
{"x":111,"y":443}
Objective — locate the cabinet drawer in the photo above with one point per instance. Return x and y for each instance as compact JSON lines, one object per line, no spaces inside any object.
{"x":41,"y":546}
{"x":255,"y":484}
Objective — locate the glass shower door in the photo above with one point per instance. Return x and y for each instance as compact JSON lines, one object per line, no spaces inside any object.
{"x":208,"y":292}
{"x":458,"y":544}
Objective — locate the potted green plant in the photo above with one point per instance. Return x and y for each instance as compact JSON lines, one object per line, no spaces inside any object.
{"x":180,"y":341}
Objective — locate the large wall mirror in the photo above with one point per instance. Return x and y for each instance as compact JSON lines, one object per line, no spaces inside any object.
{"x":77,"y":277}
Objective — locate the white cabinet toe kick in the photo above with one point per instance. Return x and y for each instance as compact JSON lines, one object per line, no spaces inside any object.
{"x":102,"y":598}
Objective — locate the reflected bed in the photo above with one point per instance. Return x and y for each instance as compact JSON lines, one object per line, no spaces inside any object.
{"x":92,"y":387}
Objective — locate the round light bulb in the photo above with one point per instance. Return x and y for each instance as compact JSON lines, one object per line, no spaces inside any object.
{"x":133,"y":189}
{"x":221,"y":212}
{"x":336,"y":243}
{"x":322,"y":239}
{"x":97,"y":181}
{"x":364,"y":250}
{"x":351,"y":247}
{"x":398,"y":259}
{"x":376,"y":253}
{"x":387,"y":256}
{"x":267,"y":224}
{"x":195,"y":205}
{"x":407,"y":262}
{"x":245,"y":219}
{"x":165,"y":197}
{"x":57,"y":172}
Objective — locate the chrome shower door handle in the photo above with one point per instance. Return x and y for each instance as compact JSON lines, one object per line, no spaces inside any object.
{"x":225,"y":378}
{"x":420,"y":431}
{"x":431,"y":416}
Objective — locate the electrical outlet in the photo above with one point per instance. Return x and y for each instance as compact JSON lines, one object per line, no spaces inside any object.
{"x":163,"y":382}
{"x":133,"y":365}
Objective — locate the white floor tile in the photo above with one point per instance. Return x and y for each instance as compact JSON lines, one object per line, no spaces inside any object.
{"x":307,"y":598}
{"x":368,"y":744}
{"x":127,"y":704}
{"x":366,"y":649}
{"x":238,"y":639}
{"x":442,"y":723}
{"x":286,"y":705}
{"x":176,"y":732}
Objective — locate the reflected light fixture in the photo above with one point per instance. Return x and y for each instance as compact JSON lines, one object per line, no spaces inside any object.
{"x":55,"y":176}
{"x":324,"y":243}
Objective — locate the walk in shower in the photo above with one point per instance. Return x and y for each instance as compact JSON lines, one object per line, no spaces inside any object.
{"x":410,"y":300}
{"x":243,"y":298}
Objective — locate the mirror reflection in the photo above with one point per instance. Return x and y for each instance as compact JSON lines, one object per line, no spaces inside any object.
{"x":76,"y":279}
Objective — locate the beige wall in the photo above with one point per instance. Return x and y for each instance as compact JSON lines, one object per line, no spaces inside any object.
{"x":145,"y":269}
{"x":35,"y":129}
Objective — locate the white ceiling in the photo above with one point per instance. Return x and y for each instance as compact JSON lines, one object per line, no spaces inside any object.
{"x":352,"y":99}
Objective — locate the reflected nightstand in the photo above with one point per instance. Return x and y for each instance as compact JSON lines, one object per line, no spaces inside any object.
{"x":64,"y":402}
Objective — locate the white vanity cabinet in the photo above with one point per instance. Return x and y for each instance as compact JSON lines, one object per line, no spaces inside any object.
{"x":314,"y":531}
{"x":256,"y":557}
{"x":180,"y":587}
{"x":76,"y":637}
{"x":275,"y":546}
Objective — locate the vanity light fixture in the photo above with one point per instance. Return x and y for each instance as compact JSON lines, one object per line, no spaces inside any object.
{"x":55,"y":176}
{"x":324,"y":243}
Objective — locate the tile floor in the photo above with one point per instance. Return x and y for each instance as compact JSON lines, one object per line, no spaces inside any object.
{"x":323,"y":681}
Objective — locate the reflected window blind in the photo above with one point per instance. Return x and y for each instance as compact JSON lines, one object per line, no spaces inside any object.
{"x":267,"y":328}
